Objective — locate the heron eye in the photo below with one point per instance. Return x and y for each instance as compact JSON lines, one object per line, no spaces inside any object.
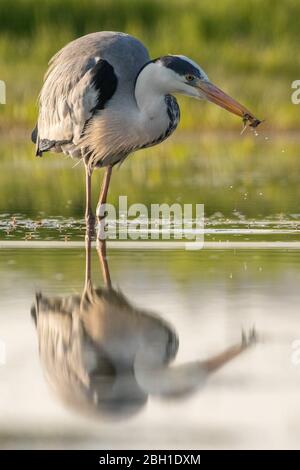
{"x":189,"y":78}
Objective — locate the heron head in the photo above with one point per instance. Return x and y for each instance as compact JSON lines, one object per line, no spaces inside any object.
{"x":179,"y":74}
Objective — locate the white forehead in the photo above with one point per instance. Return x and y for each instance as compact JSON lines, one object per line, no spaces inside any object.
{"x":197,"y":66}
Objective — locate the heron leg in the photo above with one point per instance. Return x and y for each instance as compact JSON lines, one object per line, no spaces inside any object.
{"x":100,"y":211}
{"x":89,"y":216}
{"x":101,"y":249}
{"x":104,"y":191}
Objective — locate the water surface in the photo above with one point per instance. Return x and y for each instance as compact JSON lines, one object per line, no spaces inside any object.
{"x":113,"y":377}
{"x":207,"y":297}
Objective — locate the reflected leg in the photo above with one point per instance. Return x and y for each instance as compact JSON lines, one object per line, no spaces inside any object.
{"x":101,"y":249}
{"x":88,"y":256}
{"x":102,"y":201}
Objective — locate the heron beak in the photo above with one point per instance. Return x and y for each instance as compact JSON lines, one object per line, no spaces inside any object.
{"x":216,"y":95}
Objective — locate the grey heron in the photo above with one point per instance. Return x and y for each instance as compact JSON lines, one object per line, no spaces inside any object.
{"x":103,"y":355}
{"x":104,"y":98}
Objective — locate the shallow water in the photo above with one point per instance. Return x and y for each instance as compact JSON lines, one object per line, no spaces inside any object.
{"x":207,"y":297}
{"x":104,"y":378}
{"x":215,"y":228}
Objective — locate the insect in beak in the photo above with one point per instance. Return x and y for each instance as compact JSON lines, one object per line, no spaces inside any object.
{"x":214,"y":94}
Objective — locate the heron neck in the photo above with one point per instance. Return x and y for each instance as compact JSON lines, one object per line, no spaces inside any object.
{"x":150,"y":103}
{"x":149,"y":92}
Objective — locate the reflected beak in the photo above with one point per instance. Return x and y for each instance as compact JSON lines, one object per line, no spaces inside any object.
{"x":215,"y":95}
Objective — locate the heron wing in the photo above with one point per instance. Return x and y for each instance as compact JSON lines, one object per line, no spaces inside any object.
{"x":81,"y":79}
{"x":68,"y":100}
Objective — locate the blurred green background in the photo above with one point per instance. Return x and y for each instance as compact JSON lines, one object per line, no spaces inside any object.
{"x":250,"y":49}
{"x":250,"y":176}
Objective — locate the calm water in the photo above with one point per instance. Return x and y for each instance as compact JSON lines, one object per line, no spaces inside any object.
{"x":156,"y":360}
{"x":206,"y":297}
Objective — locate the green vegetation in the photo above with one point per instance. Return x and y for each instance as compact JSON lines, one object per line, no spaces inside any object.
{"x":251,"y":49}
{"x":246,"y":174}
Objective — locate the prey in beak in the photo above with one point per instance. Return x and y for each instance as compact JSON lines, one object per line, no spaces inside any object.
{"x":211,"y":92}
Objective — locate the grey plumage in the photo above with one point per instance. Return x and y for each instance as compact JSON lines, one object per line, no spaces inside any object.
{"x":68,"y":99}
{"x":70,"y":117}
{"x":88,"y":347}
{"x":103,"y":355}
{"x":103,"y":98}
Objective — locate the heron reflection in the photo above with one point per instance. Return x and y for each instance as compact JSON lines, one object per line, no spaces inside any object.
{"x":103,"y":355}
